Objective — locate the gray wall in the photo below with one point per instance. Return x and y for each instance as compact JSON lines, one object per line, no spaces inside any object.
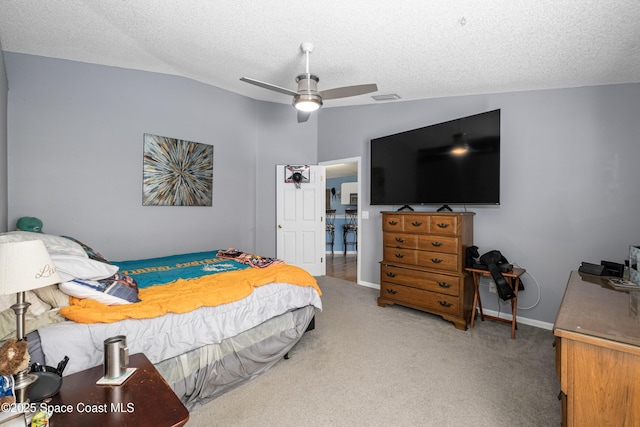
{"x":3,"y":144}
{"x":569,"y":175}
{"x":570,"y":179}
{"x":75,"y":157}
{"x":281,"y":141}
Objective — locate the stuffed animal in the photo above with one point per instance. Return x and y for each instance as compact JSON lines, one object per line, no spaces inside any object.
{"x":14,"y":358}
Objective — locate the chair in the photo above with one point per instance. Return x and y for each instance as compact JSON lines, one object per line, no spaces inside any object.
{"x":350,"y":226}
{"x":330,"y":217}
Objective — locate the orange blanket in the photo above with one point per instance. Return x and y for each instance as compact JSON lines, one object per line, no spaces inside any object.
{"x":183,"y":296}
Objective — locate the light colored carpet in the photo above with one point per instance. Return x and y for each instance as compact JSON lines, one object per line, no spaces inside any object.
{"x":366,"y":365}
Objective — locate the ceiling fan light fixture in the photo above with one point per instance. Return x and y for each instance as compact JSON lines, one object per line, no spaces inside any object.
{"x":307,"y":102}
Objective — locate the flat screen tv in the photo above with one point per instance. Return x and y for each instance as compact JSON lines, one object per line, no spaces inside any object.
{"x":451,"y":163}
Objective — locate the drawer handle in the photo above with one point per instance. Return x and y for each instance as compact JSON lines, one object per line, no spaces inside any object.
{"x":416,"y":223}
{"x":391,"y":291}
{"x":445,"y":304}
{"x":390,"y":274}
{"x":436,"y":260}
{"x":436,"y":244}
{"x":393,"y":222}
{"x":399,"y":256}
{"x":444,"y":284}
{"x":399,"y":239}
{"x":443,"y":225}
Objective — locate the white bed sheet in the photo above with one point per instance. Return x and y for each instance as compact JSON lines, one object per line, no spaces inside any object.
{"x":170,"y":335}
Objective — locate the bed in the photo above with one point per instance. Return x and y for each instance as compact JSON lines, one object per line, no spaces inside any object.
{"x":209,"y":321}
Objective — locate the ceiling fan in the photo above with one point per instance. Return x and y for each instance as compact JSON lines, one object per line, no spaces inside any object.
{"x":307,"y":98}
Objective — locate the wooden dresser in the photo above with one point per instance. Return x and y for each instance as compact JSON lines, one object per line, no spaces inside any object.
{"x":423,"y":263}
{"x":598,"y":353}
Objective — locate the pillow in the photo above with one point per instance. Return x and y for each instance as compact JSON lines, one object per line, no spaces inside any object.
{"x":52,"y":296}
{"x":115,"y":290}
{"x":72,"y":267}
{"x":36,"y":308}
{"x":8,"y":324}
{"x":7,"y":301}
{"x":91,"y":253}
{"x":54,"y":244}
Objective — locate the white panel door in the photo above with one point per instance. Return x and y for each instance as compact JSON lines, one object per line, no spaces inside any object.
{"x":300,"y":235}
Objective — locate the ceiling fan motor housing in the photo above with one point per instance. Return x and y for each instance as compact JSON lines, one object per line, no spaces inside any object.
{"x":307,"y":91}
{"x":307,"y":83}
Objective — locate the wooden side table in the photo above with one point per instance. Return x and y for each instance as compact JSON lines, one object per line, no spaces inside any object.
{"x":145,"y":399}
{"x":513,"y":279}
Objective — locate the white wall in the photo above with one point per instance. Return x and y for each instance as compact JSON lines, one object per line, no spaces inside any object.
{"x":75,"y":157}
{"x":569,"y":171}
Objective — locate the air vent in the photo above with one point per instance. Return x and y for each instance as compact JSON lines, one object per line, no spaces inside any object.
{"x":387,"y":97}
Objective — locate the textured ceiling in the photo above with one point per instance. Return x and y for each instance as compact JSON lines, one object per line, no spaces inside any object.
{"x":415,"y":48}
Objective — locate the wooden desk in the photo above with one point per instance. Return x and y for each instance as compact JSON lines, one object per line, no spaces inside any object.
{"x":145,"y":399}
{"x":598,"y":353}
{"x":513,"y":279}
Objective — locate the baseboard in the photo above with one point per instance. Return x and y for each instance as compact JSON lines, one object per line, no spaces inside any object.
{"x":524,"y":320}
{"x":502,"y":315}
{"x":369,"y":285}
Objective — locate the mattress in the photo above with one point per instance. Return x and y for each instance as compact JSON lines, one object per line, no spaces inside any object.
{"x":167,"y":336}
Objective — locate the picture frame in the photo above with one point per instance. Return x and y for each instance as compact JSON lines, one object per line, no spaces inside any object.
{"x":176,"y":172}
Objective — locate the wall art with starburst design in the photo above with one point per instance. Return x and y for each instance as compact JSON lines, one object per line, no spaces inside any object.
{"x":176,"y":172}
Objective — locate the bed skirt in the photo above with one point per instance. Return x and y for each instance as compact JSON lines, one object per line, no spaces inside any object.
{"x":205,"y":373}
{"x":202,"y":374}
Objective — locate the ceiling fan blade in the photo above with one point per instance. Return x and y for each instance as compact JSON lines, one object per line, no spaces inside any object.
{"x":303,"y":116}
{"x":269,"y":86}
{"x":346,"y":91}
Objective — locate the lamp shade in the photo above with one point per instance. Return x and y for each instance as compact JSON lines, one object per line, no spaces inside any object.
{"x":24,"y":266}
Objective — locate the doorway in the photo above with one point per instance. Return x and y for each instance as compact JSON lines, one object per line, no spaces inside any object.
{"x":342,"y":194}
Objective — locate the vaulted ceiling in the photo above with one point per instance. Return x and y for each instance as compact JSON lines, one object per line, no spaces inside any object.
{"x":415,"y":49}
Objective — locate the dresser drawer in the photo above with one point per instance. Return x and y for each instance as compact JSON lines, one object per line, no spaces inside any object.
{"x":401,"y":240}
{"x":436,"y":243}
{"x":392,"y":223}
{"x":444,"y":224}
{"x":438,"y":260}
{"x":409,"y":223}
{"x":416,"y":223}
{"x":421,"y":279}
{"x":405,"y":256}
{"x":428,"y":300}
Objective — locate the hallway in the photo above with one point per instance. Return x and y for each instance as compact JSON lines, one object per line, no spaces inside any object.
{"x":342,"y":266}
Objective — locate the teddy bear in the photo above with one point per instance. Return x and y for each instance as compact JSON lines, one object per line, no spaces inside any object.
{"x":14,"y":357}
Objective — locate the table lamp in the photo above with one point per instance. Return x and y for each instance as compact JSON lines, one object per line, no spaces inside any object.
{"x":24,"y":266}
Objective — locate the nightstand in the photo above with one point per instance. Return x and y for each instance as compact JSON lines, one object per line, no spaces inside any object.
{"x":145,"y":399}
